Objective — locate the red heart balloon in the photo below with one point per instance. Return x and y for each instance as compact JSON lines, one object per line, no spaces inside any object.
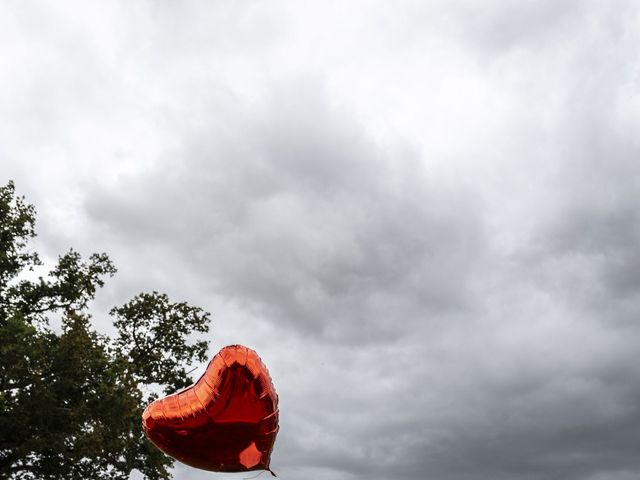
{"x":225,"y":422}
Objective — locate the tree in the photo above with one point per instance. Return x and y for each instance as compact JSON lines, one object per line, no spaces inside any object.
{"x":71,"y":401}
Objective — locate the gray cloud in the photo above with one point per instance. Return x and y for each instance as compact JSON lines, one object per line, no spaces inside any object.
{"x":307,"y":221}
{"x":424,"y":218}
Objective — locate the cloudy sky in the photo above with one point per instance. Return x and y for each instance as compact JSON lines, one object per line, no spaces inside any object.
{"x":423,"y":215}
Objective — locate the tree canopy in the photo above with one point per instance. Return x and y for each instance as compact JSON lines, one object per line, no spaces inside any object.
{"x":71,"y":399}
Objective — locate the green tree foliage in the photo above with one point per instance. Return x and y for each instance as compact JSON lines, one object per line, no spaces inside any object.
{"x":71,"y":400}
{"x":148,"y":325}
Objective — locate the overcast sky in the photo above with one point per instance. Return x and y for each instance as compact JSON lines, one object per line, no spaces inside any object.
{"x":423,"y":215}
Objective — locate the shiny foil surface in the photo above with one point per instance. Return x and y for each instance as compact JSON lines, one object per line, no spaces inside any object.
{"x":225,"y":422}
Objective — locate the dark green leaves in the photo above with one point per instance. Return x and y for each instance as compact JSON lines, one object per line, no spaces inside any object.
{"x":152,"y":333}
{"x":70,"y":286}
{"x":17,"y":222}
{"x":71,"y":401}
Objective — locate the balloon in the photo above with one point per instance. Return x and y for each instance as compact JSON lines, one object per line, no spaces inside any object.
{"x":225,"y":422}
